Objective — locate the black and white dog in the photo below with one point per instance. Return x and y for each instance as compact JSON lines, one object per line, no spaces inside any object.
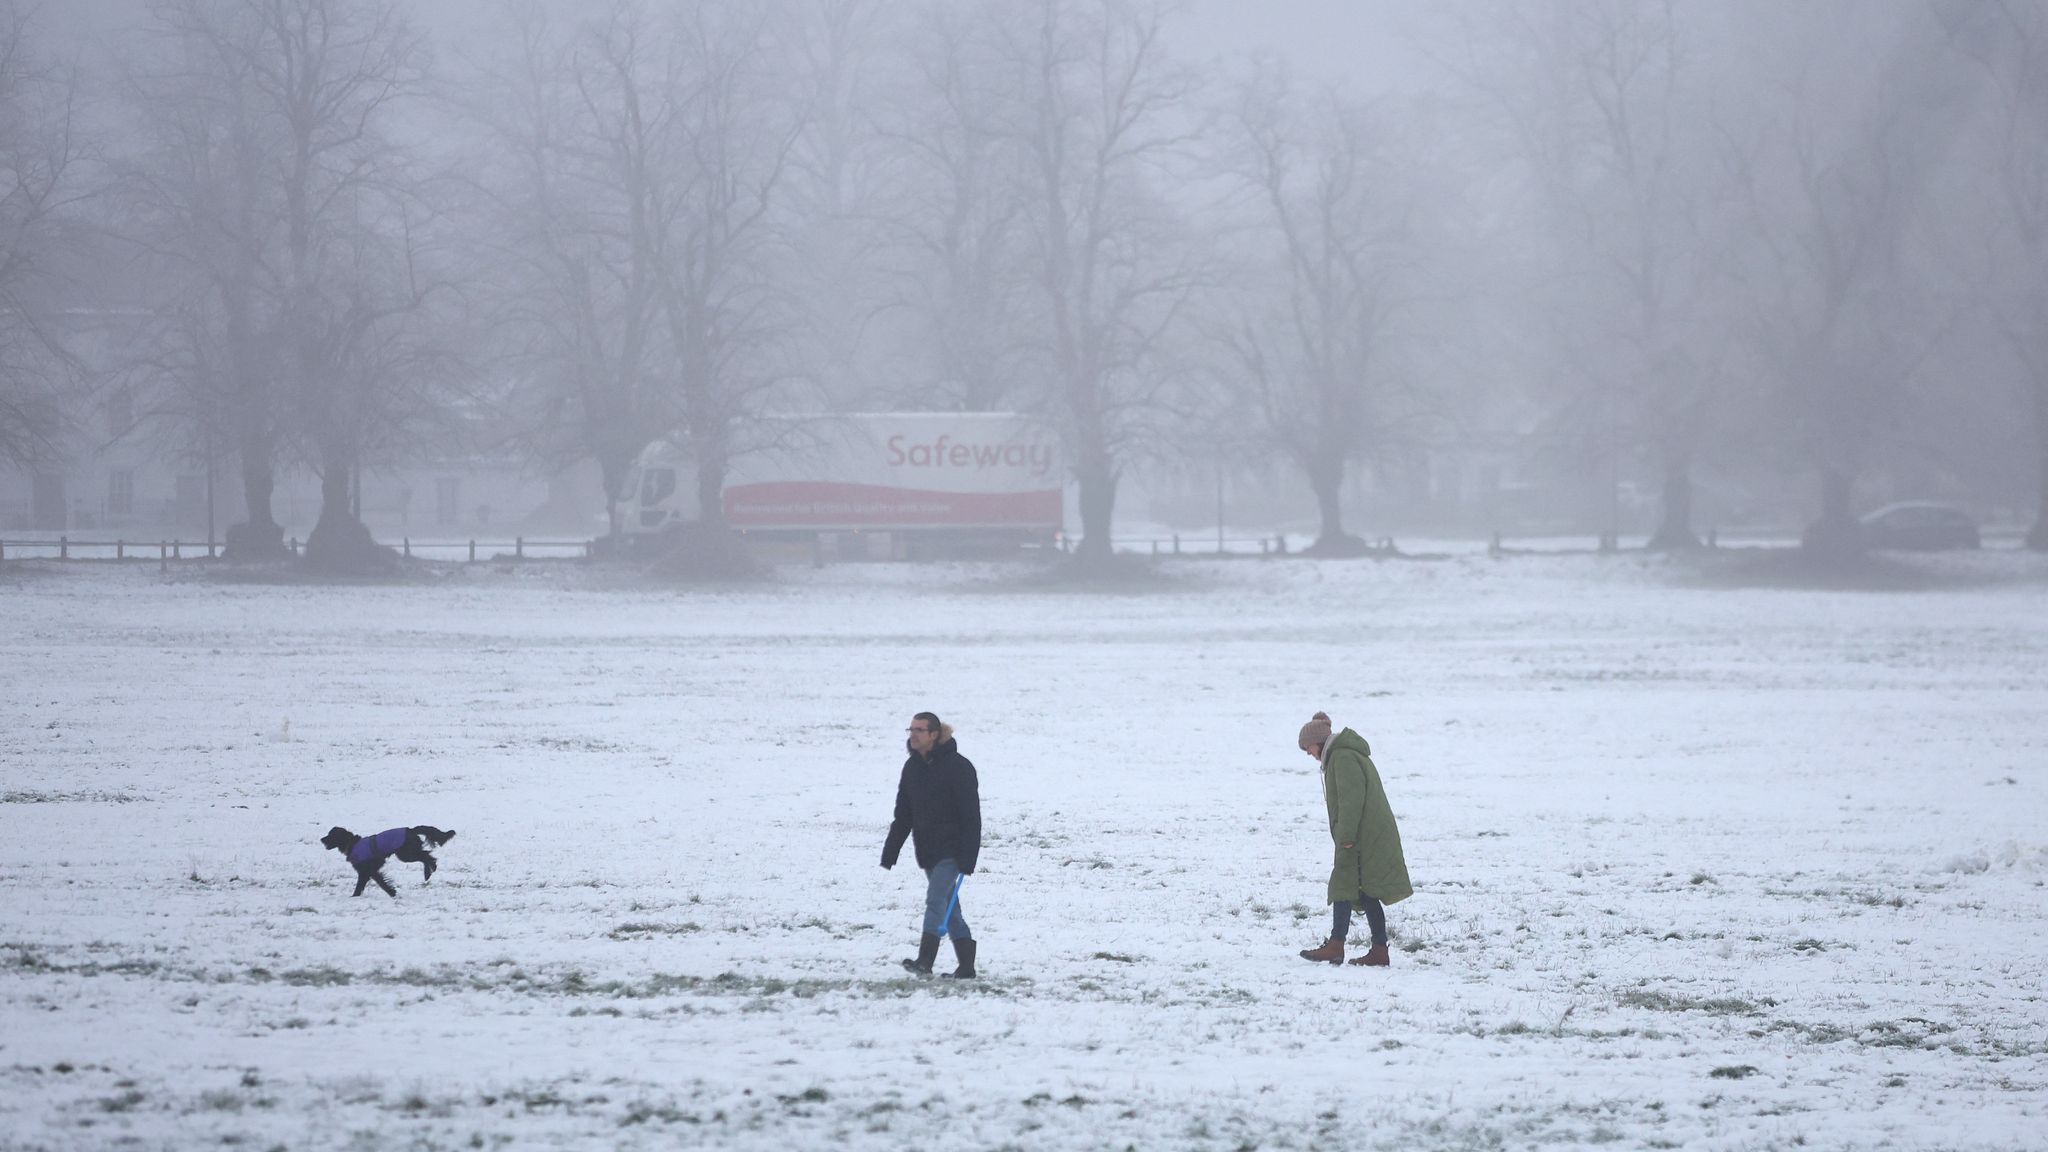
{"x":368,"y":853}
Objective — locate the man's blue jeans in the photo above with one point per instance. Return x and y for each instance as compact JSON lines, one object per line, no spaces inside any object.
{"x":937,"y":892}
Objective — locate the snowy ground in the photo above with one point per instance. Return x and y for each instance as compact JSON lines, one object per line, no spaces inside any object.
{"x":1695,"y":868}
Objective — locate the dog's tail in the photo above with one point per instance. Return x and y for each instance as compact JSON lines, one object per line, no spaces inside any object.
{"x":434,"y":836}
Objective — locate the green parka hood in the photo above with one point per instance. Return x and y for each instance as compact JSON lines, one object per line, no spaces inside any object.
{"x":1347,"y":739}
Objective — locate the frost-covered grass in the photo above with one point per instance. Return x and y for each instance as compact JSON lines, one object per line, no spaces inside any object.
{"x":1696,"y":868}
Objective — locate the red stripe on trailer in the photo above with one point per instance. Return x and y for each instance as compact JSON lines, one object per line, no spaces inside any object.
{"x":827,"y":504}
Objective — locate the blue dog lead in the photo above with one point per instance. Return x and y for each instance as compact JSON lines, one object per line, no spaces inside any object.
{"x":951,"y":901}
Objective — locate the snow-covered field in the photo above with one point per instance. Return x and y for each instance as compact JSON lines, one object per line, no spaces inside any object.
{"x":1694,"y":868}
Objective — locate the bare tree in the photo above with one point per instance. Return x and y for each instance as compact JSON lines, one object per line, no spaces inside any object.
{"x":202,"y":204}
{"x":271,"y":184}
{"x":1836,"y":171}
{"x":830,"y":200}
{"x":1339,"y":259}
{"x":959,"y":213}
{"x":636,"y":160}
{"x":331,"y":74}
{"x":1605,"y":103}
{"x":1100,"y":118}
{"x":2009,"y":43}
{"x":732,"y":133}
{"x":574,"y":171}
{"x":40,"y":152}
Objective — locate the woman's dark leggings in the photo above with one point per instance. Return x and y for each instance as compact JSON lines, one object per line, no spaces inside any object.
{"x":1375,"y":918}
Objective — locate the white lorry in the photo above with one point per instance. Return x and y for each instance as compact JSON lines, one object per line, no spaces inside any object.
{"x":990,"y":475}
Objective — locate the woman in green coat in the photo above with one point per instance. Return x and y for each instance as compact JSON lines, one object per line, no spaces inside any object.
{"x":1370,"y":871}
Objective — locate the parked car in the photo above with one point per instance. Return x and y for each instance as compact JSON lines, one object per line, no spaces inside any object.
{"x":1920,"y":526}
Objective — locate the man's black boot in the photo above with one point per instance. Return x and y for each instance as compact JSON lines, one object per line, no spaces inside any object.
{"x":963,"y":950}
{"x":927,"y":951}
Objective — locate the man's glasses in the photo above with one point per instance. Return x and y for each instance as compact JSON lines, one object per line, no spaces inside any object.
{"x":919,"y":731}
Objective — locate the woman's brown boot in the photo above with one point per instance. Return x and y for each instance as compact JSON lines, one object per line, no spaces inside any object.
{"x":1332,"y":952}
{"x":1376,"y":958}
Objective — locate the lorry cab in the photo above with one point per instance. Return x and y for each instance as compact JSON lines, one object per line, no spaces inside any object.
{"x":661,"y":491}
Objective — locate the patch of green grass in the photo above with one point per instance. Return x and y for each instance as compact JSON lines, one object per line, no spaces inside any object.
{"x":538,"y":1099}
{"x":811,"y":1095}
{"x":1713,"y":1006}
{"x":1908,"y":1032}
{"x":322,"y":977}
{"x":126,"y":1101}
{"x":640,"y":930}
{"x":95,"y":796}
{"x":222,"y":1100}
{"x":641,"y":1113}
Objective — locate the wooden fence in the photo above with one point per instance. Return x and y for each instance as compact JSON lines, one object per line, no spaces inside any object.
{"x":165,"y":551}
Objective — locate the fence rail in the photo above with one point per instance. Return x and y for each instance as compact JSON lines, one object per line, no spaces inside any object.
{"x":163,"y":551}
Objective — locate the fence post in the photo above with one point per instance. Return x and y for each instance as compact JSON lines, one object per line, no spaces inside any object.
{"x":3,"y":549}
{"x":209,"y":545}
{"x":177,"y":550}
{"x":408,"y":547}
{"x":295,"y":545}
{"x":472,"y":551}
{"x":120,"y":550}
{"x":589,"y":549}
{"x":163,"y":556}
{"x":519,"y":547}
{"x":63,"y":547}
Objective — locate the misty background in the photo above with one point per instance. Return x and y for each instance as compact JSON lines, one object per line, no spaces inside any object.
{"x":346,"y":269}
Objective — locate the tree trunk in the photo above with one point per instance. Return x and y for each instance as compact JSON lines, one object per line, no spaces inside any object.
{"x":1674,"y":531}
{"x":614,"y":490}
{"x":707,"y":548}
{"x":2038,"y":538}
{"x":711,"y":490}
{"x":339,"y":542}
{"x":1835,"y":535}
{"x":1097,"y":480}
{"x":1331,"y":539}
{"x":259,"y":537}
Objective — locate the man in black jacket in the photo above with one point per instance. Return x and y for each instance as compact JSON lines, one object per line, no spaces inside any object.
{"x":938,"y":806}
